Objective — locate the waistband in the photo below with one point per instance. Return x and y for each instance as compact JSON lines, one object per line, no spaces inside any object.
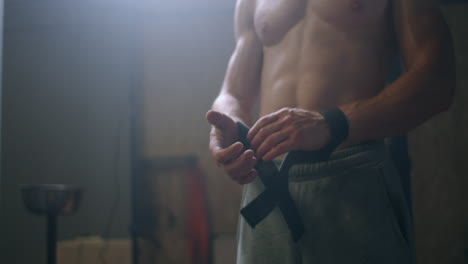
{"x":367,"y":153}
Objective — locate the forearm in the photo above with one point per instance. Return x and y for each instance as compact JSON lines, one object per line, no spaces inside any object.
{"x":416,"y":96}
{"x":236,"y":108}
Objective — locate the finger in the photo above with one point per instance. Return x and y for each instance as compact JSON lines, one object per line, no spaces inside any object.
{"x":240,"y":167}
{"x":272,"y":141}
{"x":226,"y":155}
{"x":249,"y":178}
{"x":217,"y":119}
{"x":262,"y":122}
{"x":280,"y":149}
{"x":267,"y":131}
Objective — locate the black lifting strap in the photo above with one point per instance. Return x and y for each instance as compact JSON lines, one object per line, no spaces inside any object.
{"x":276,"y":188}
{"x":276,"y":182}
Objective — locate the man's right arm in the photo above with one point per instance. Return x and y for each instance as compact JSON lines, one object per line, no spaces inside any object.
{"x":240,"y":88}
{"x":237,"y":99}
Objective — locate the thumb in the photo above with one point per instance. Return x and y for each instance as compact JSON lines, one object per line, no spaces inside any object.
{"x":219,"y":120}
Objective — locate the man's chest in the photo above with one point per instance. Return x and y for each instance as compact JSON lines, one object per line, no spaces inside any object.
{"x":274,"y":18}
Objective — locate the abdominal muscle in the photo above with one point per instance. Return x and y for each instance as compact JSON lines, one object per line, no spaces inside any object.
{"x":318,"y":65}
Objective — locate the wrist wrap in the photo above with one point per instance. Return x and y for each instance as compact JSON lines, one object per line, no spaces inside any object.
{"x":338,"y":126}
{"x":276,"y":193}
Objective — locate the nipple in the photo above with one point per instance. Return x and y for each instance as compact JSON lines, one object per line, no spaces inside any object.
{"x":356,"y":5}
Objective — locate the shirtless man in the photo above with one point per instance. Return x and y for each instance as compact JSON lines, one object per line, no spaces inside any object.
{"x":302,"y":56}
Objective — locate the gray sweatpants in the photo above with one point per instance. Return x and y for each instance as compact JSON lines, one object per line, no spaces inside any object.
{"x":353,"y":208}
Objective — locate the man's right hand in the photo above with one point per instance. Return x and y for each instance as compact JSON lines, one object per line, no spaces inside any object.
{"x":228,"y":151}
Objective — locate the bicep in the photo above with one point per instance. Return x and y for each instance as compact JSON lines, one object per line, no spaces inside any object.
{"x":422,"y":33}
{"x":244,"y":68}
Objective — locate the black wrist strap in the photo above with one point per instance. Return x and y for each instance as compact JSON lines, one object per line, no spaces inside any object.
{"x":276,"y":191}
{"x":338,"y":126}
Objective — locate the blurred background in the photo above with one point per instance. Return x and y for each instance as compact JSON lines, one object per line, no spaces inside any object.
{"x":111,"y":96}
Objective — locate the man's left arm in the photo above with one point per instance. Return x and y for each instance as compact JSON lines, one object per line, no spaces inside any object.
{"x":425,"y":89}
{"x":427,"y":86}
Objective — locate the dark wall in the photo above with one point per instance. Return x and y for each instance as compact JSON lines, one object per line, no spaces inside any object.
{"x":187,"y":45}
{"x":439,"y":152}
{"x":447,"y":2}
{"x":66,"y":81}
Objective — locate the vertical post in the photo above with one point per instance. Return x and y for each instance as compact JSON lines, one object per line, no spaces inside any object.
{"x":135,"y":105}
{"x":1,"y":90}
{"x":51,"y":238}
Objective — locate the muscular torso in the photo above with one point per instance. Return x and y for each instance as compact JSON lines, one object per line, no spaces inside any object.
{"x":322,"y":53}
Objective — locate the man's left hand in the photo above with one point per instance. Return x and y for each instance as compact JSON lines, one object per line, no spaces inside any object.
{"x":287,"y":130}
